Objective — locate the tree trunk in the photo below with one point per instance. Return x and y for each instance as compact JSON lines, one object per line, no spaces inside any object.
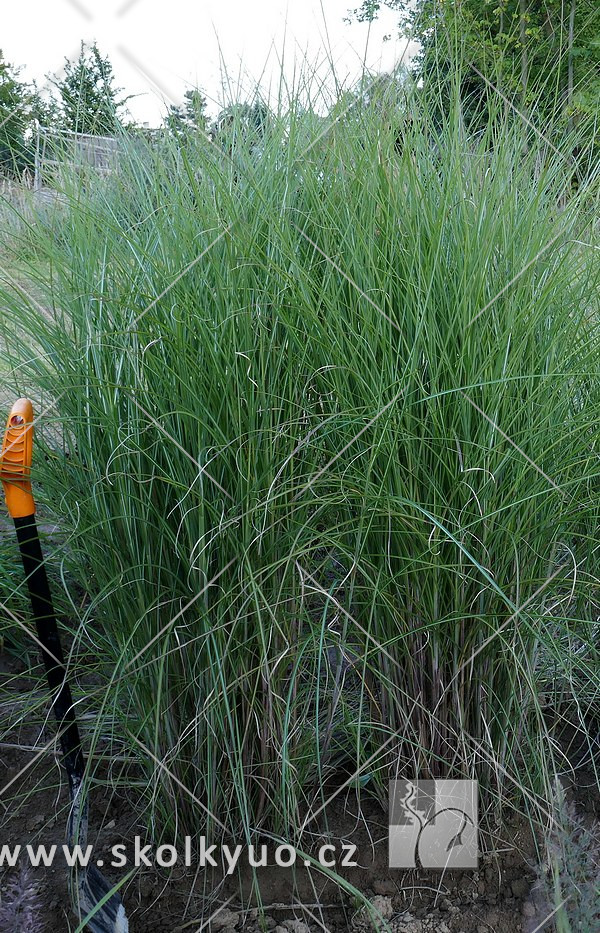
{"x":524,"y":58}
{"x":570,"y":64}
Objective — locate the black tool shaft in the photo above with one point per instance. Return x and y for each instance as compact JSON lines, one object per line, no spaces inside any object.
{"x":47,"y":630}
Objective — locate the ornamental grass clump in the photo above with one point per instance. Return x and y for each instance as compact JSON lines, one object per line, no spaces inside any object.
{"x":331,"y":472}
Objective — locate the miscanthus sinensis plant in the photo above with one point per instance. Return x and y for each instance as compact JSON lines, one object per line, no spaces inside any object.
{"x":330,"y":414}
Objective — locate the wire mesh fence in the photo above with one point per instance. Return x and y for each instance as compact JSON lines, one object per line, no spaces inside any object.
{"x":59,"y":150}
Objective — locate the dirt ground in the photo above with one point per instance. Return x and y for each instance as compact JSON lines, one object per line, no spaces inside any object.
{"x":498,"y":898}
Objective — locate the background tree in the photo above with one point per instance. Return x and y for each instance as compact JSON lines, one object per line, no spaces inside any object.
{"x":245,"y":123}
{"x":90,"y":101}
{"x":44,"y":108}
{"x":13,"y":120}
{"x":385,"y":94}
{"x":542,"y":54}
{"x":190,"y":117}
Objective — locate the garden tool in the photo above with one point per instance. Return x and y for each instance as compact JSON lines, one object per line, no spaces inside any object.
{"x":93,"y":897}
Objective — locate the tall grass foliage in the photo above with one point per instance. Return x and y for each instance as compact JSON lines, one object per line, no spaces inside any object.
{"x":329,"y":406}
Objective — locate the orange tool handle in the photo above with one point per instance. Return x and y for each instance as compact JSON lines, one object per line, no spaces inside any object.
{"x":15,"y":460}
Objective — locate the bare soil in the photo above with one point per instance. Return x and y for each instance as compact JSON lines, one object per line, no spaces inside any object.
{"x":498,"y":898}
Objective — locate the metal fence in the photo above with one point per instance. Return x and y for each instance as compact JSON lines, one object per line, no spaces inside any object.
{"x":57,"y":150}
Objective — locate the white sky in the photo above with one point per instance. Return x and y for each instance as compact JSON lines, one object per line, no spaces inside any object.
{"x":160,"y":48}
